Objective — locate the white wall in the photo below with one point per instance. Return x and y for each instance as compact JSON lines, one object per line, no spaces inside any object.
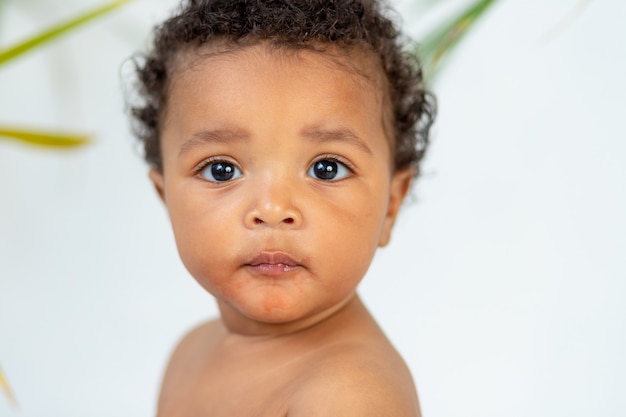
{"x":503,"y":286}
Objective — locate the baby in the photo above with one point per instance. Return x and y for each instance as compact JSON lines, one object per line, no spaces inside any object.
{"x":283,"y":136}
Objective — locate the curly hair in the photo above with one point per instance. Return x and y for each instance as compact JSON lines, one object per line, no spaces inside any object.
{"x":295,"y":24}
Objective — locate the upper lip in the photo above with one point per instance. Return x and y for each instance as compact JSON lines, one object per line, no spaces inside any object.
{"x":273,"y":258}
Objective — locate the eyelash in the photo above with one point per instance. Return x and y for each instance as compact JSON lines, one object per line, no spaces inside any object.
{"x":212,"y":160}
{"x":335,"y":158}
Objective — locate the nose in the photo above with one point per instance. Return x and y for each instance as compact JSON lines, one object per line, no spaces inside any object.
{"x":272,"y":205}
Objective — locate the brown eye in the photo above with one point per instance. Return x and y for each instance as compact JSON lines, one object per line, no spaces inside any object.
{"x":220,"y":171}
{"x":328,"y":170}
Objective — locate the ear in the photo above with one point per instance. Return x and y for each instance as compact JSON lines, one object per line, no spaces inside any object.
{"x":158,"y":181}
{"x":400,"y":184}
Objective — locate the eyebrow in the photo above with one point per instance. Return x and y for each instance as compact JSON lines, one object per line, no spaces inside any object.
{"x":336,"y":135}
{"x":315,"y":134}
{"x":213,"y":136}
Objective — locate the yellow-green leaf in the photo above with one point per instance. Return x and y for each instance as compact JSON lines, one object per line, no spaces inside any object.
{"x":53,"y":33}
{"x":443,"y":39}
{"x":46,"y":139}
{"x":6,"y":389}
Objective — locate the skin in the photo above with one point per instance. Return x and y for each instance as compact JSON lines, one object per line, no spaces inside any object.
{"x":281,"y":249}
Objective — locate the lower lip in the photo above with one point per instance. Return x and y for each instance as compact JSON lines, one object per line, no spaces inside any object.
{"x":273,"y":270}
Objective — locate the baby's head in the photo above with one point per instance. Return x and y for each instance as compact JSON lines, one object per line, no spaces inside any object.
{"x":344,"y":27}
{"x":282,"y":137}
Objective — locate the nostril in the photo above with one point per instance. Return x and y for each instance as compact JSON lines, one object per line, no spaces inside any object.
{"x":261,"y":221}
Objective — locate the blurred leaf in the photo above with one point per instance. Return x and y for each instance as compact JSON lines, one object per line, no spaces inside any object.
{"x":567,"y":21}
{"x":53,"y":33}
{"x":443,"y":39}
{"x":4,"y":387}
{"x":48,"y":139}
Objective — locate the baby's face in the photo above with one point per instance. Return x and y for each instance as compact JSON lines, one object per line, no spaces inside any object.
{"x":277,"y":179}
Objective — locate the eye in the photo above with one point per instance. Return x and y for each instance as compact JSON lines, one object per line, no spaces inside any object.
{"x":328,"y":170}
{"x":220,"y":171}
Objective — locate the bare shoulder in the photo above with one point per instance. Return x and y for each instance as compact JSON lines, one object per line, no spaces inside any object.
{"x":197,"y":340}
{"x":358,"y":380}
{"x":189,"y":351}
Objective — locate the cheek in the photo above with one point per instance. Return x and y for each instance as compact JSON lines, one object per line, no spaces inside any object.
{"x":202,"y":232}
{"x":350,"y":236}
{"x":362,"y":213}
{"x":192,"y":212}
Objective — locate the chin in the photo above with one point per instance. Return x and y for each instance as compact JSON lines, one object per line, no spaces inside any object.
{"x":273,"y":313}
{"x":277,"y":311}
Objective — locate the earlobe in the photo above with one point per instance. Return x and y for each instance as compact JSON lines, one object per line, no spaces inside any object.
{"x":158,"y":181}
{"x":399,"y":187}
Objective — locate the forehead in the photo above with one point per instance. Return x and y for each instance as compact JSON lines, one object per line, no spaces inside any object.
{"x":358,"y":62}
{"x":275,"y":92}
{"x":355,"y":59}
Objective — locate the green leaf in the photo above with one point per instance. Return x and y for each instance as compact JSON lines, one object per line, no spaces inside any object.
{"x":46,"y":139}
{"x":53,"y":33}
{"x":443,"y":39}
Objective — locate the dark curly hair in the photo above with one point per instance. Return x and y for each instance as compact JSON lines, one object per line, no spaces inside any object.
{"x":296,"y":24}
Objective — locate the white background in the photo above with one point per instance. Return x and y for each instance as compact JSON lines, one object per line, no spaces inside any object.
{"x":503,"y":287}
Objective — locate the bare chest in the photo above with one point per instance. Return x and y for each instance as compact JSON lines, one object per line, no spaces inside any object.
{"x":230,"y":386}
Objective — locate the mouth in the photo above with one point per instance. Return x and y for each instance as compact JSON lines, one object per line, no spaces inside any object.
{"x":273,"y":263}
